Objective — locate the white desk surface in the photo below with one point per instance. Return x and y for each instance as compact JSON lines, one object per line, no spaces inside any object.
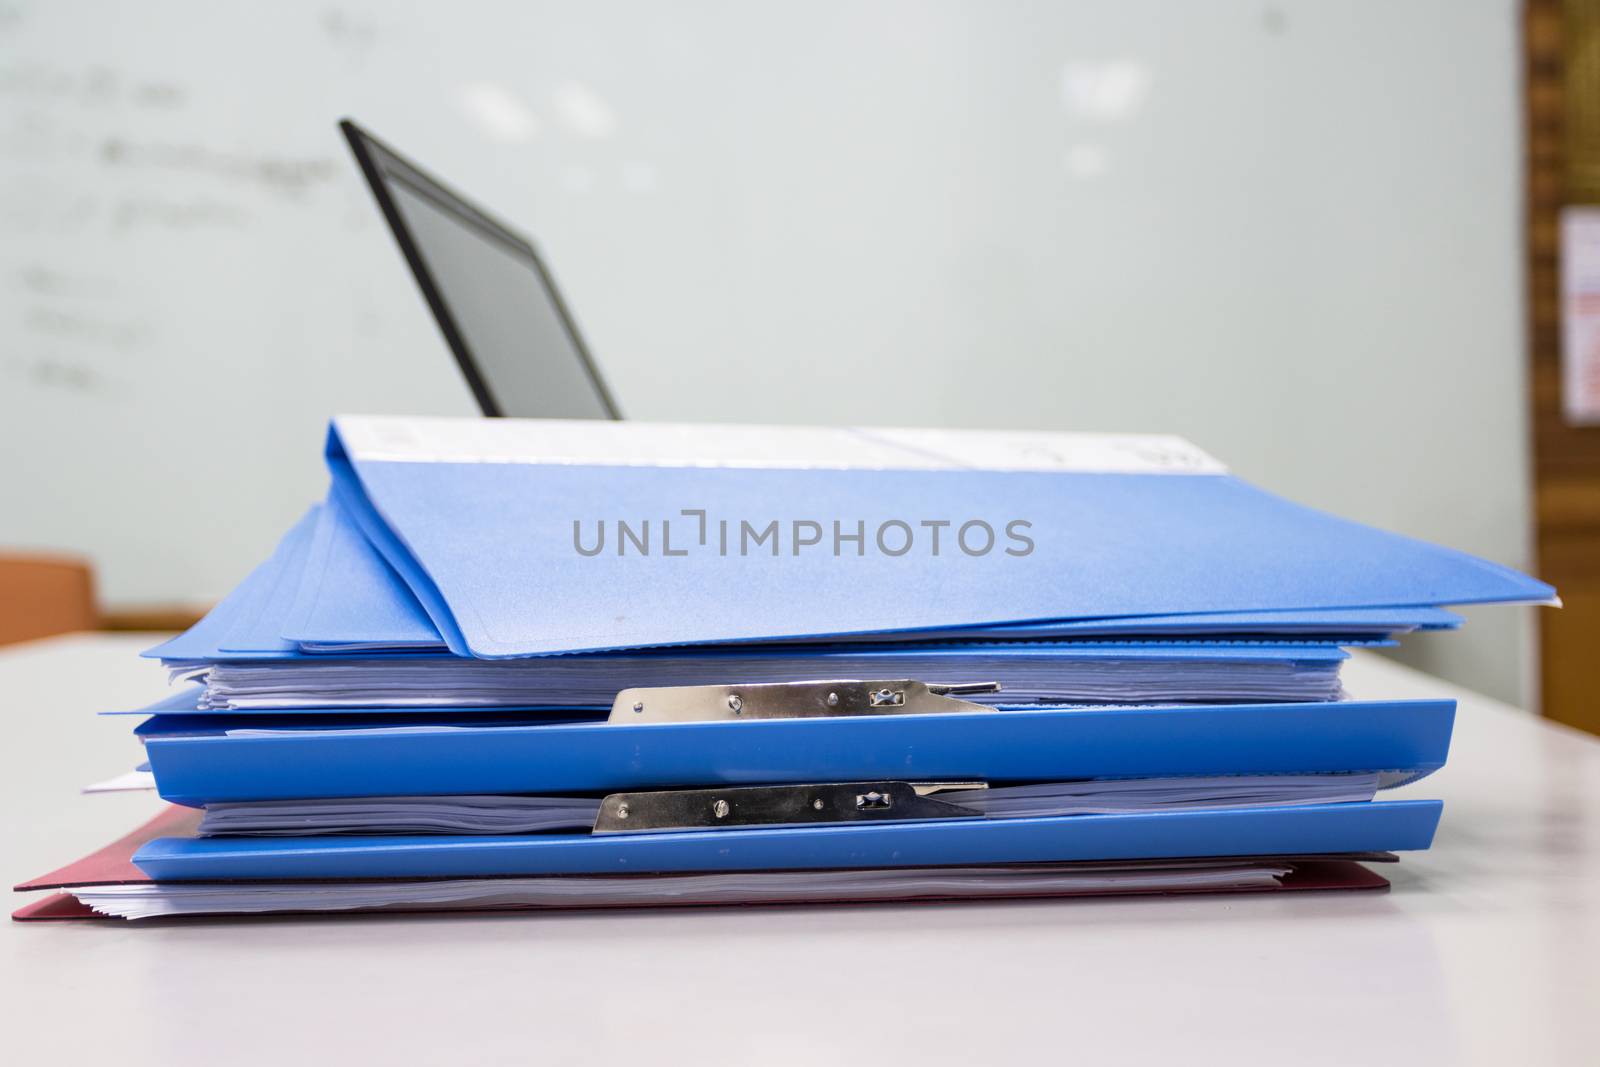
{"x":1487,"y":949}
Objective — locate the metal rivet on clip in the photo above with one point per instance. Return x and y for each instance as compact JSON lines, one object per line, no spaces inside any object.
{"x":638,"y":706}
{"x":720,"y":809}
{"x":736,"y":702}
{"x":833,"y":700}
{"x":622,"y":811}
{"x":817,"y":804}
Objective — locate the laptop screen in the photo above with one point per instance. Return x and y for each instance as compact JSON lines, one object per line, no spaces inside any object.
{"x":495,"y":302}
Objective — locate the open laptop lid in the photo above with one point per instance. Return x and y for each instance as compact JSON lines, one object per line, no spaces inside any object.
{"x":495,"y":302}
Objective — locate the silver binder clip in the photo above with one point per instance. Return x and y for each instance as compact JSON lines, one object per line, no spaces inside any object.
{"x":794,"y":700}
{"x":745,"y":807}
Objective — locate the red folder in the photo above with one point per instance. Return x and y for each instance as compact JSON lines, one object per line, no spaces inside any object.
{"x":113,"y":865}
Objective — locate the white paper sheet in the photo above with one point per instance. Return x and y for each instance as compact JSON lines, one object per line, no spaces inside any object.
{"x":1137,"y":677}
{"x":533,"y":814}
{"x":133,"y":781}
{"x":402,"y":439}
{"x":154,"y":899}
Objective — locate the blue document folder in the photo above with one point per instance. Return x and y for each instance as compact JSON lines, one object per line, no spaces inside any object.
{"x":326,"y":590}
{"x":235,"y":759}
{"x":488,"y":524}
{"x":1384,"y":826}
{"x":349,"y":599}
{"x":319,"y":563}
{"x":242,"y":608}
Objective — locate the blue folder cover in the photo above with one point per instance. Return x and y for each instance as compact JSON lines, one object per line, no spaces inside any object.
{"x":242,"y":608}
{"x":350,"y":596}
{"x":195,"y":765}
{"x":488,"y":544}
{"x":326,"y":589}
{"x":1384,"y":826}
{"x":257,"y":627}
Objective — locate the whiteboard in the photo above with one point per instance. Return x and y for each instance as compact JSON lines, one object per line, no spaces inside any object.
{"x":1287,"y":231}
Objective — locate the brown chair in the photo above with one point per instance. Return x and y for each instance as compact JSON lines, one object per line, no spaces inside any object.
{"x":41,"y":596}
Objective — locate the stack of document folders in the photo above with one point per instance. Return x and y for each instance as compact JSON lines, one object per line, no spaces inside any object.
{"x":532,"y":664}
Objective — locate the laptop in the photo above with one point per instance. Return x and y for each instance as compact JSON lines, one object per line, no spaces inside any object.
{"x":495,"y":301}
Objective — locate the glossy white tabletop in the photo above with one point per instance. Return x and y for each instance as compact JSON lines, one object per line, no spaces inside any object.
{"x":1487,"y":949}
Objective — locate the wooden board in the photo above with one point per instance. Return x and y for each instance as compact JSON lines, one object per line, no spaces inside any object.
{"x":1562,"y":51}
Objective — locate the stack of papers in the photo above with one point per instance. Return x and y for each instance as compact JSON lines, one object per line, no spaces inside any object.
{"x":421,"y":685}
{"x":528,"y":814}
{"x":157,"y":900}
{"x":1031,"y":672}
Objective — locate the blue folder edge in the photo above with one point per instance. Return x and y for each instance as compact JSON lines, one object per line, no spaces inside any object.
{"x":1386,"y":826}
{"x":349,"y":594}
{"x":396,"y":553}
{"x":998,"y":747}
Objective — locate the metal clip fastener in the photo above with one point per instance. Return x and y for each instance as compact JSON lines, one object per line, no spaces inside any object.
{"x":779,"y":805}
{"x":794,"y":700}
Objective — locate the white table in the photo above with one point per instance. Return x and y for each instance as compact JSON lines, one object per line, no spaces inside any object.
{"x":1487,"y":949}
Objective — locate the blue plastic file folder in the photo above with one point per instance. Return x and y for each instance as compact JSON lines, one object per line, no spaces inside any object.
{"x":232,"y":759}
{"x":1386,"y":826}
{"x":1046,"y":663}
{"x":349,"y":595}
{"x":478,"y":522}
{"x":350,"y":599}
{"x":327,"y":590}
